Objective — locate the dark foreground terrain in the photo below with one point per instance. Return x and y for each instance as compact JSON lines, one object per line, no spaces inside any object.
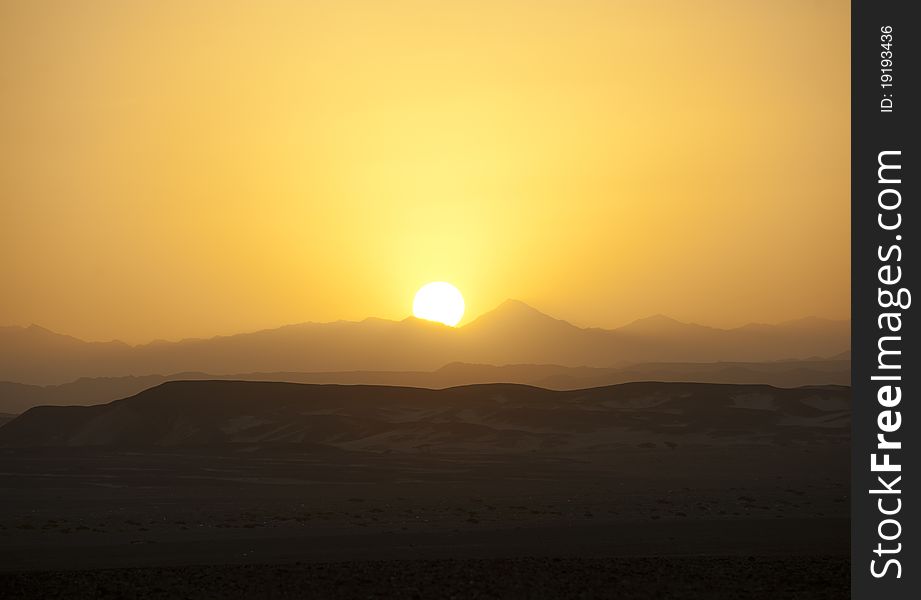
{"x":688,"y":578}
{"x":222,"y":490}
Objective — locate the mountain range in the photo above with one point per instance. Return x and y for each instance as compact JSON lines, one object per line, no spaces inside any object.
{"x":513,"y":333}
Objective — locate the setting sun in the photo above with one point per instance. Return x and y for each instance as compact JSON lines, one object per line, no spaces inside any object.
{"x":439,"y":301}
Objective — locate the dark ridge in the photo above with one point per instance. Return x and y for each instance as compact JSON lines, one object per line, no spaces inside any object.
{"x":472,"y":418}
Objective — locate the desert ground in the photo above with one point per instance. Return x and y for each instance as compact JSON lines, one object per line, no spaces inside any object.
{"x":686,"y":513}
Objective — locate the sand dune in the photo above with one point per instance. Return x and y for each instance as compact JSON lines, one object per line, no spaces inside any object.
{"x":493,"y":417}
{"x":18,"y":397}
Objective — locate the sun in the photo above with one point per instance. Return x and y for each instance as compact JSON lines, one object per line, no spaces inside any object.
{"x":439,"y":301}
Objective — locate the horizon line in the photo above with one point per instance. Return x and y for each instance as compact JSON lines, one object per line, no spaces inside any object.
{"x":411,"y":318}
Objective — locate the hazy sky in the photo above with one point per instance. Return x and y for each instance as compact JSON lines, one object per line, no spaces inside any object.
{"x":188,"y":168}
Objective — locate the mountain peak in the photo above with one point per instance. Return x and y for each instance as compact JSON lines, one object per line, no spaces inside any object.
{"x":34,"y":330}
{"x":516,"y":314}
{"x":413,"y":321}
{"x":513,"y":305}
{"x":660,"y":323}
{"x":513,"y":310}
{"x":658,"y":318}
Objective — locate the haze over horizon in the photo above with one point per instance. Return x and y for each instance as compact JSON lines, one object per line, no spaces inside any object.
{"x":468,"y":321}
{"x":185,"y":169}
{"x":512,"y":333}
{"x":484,"y":298}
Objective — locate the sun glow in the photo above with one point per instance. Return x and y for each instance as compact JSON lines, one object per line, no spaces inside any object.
{"x":439,"y":301}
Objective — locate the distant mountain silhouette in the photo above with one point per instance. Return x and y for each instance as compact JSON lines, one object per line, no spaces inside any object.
{"x":479,"y":418}
{"x":513,"y":333}
{"x":17,"y":397}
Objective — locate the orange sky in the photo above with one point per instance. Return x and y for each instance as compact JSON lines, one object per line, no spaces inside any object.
{"x":187,"y":168}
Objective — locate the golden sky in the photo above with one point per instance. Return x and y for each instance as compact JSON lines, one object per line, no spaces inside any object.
{"x":188,"y":168}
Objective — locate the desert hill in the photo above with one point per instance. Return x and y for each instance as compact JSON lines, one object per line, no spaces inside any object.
{"x":513,"y":333}
{"x":18,"y":397}
{"x":477,"y":418}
